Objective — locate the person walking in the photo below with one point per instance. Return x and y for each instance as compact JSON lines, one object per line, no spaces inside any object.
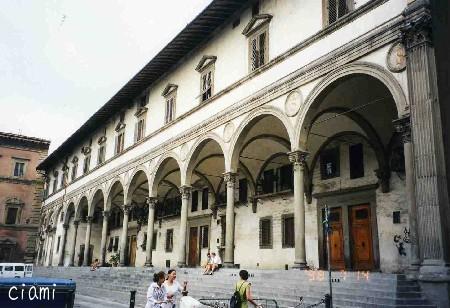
{"x":173,"y":289}
{"x":156,"y":293}
{"x":244,"y":289}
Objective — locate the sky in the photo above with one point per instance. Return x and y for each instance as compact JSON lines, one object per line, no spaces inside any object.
{"x":61,"y":60}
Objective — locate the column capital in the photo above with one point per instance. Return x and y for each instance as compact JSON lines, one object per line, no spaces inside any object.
{"x":151,"y":202}
{"x":229,"y":177}
{"x":126,"y":208}
{"x":106,"y":214}
{"x":298,"y":157}
{"x":417,"y":29}
{"x":89,"y":219}
{"x":66,"y":226}
{"x":185,"y":191}
{"x":403,"y":127}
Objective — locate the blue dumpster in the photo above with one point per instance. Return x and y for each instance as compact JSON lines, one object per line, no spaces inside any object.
{"x":37,"y":293}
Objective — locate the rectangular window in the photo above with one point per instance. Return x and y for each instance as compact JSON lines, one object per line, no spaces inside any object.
{"x":140,"y":129}
{"x":243,"y":194}
{"x":169,"y":240}
{"x":155,"y":234}
{"x":356,"y":157}
{"x":206,"y":83}
{"x":111,"y":244}
{"x":336,"y":9}
{"x":205,"y":194}
{"x":258,"y":50}
{"x":329,"y":163}
{"x":86,"y":164}
{"x":101,"y":155}
{"x":11,"y":215}
{"x":194,"y":205}
{"x":116,"y":243}
{"x":170,"y":109}
{"x":120,"y":138}
{"x":19,"y":169}
{"x":288,"y":240}
{"x":74,"y":171}
{"x":204,"y":236}
{"x":286,"y":177}
{"x":268,"y":181}
{"x":265,"y":233}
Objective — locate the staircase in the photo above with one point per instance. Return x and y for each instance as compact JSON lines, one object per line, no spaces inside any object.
{"x":110,"y":287}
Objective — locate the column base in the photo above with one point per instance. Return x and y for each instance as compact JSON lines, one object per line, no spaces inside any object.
{"x":300,"y":266}
{"x":148,"y":264}
{"x":122,"y":265}
{"x":181,"y":264}
{"x":434,"y":271}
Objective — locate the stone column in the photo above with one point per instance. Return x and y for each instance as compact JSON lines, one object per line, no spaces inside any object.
{"x":403,"y":126}
{"x":87,"y":240}
{"x":74,"y":242}
{"x":150,"y":226}
{"x":185,"y":198}
{"x":230,"y":180}
{"x":63,"y":245}
{"x":298,"y":160}
{"x":431,"y":193}
{"x":124,"y":236}
{"x":106,"y":215}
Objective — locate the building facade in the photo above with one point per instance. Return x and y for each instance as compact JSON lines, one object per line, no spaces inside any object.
{"x":240,"y":132}
{"x":21,"y":190}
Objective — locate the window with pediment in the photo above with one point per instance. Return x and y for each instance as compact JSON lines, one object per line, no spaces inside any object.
{"x":120,"y":136}
{"x":101,"y":155}
{"x":206,"y":69}
{"x":74,"y":168}
{"x":257,"y":32}
{"x":141,"y":112}
{"x":170,"y":94}
{"x":86,"y":150}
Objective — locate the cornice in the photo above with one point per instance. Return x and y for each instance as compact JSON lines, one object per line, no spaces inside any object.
{"x":344,"y":54}
{"x":15,"y":180}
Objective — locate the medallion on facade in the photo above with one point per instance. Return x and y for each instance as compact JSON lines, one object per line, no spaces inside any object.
{"x":293,"y":102}
{"x":184,"y":152}
{"x":396,"y":58}
{"x":228,"y":131}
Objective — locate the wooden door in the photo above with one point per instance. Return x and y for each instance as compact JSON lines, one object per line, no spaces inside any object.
{"x":336,"y":240}
{"x":133,"y":245}
{"x":193,"y":247}
{"x":361,"y":237}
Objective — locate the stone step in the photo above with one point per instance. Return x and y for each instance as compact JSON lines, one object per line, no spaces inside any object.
{"x":84,"y":301}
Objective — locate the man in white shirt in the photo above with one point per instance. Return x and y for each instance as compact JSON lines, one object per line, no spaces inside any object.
{"x":216,"y":262}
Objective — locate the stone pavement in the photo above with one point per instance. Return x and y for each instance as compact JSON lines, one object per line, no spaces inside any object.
{"x":110,"y":287}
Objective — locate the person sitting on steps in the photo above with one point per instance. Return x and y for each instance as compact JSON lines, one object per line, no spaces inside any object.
{"x":95,"y":265}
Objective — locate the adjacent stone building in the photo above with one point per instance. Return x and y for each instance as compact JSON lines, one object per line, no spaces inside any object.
{"x":21,"y":189}
{"x":239,"y":133}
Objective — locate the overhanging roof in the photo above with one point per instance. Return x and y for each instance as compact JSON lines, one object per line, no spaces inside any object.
{"x":197,"y":31}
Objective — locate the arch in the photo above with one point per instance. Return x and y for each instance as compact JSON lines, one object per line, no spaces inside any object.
{"x":196,"y":149}
{"x":112,"y":192}
{"x":79,"y":206}
{"x":133,"y":184}
{"x":240,"y":133}
{"x":96,"y":197}
{"x":158,"y":169}
{"x":374,"y":70}
{"x":70,"y":207}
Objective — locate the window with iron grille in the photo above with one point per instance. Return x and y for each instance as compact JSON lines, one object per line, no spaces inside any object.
{"x":204,"y":236}
{"x":120,"y":139}
{"x":207,"y":83}
{"x":258,"y":49}
{"x":288,"y":239}
{"x":101,"y":154}
{"x":265,"y":232}
{"x":170,"y":109}
{"x":87,"y":162}
{"x":336,"y":9}
{"x":205,"y":194}
{"x":169,"y":240}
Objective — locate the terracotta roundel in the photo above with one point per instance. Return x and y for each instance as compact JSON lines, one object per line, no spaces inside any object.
{"x":396,"y":58}
{"x":293,"y":102}
{"x":228,"y":131}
